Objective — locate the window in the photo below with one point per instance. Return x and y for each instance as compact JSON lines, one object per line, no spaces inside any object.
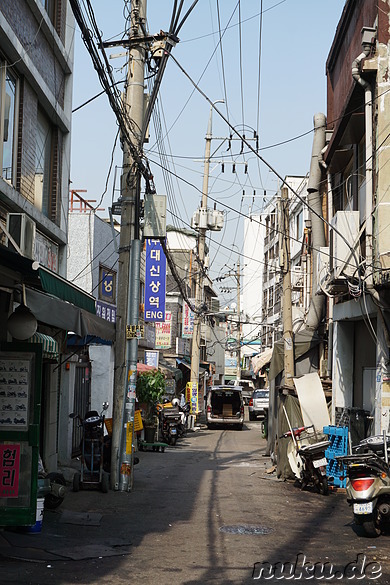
{"x":50,"y":7}
{"x":299,"y":225}
{"x":8,"y":100}
{"x":43,"y":160}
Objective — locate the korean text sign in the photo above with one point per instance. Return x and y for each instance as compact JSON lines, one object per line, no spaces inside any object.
{"x":188,"y":322}
{"x":155,"y":281}
{"x":9,"y":470}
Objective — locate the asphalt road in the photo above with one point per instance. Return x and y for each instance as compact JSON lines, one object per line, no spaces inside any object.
{"x":205,"y":511}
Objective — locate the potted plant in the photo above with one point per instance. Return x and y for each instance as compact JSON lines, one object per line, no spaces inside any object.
{"x":150,"y":388}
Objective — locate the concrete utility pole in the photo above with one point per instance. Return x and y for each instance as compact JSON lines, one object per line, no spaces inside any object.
{"x":287,"y":307}
{"x":238,"y":277}
{"x":126,"y":347}
{"x":195,"y":349}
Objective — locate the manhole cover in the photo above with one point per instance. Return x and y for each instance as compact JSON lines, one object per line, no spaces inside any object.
{"x":245,"y":529}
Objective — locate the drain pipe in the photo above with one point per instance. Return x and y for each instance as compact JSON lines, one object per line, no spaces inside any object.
{"x":317,"y":304}
{"x":368,"y":41}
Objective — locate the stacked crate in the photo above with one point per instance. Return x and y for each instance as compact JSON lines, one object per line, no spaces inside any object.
{"x":338,"y":437}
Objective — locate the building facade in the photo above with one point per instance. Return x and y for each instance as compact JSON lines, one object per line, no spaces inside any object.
{"x":356,"y":160}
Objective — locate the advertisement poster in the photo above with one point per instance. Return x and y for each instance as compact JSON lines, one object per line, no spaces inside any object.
{"x":192,"y":396}
{"x":155,"y":282}
{"x":187,"y":322}
{"x":9,"y":470}
{"x":164,"y":332}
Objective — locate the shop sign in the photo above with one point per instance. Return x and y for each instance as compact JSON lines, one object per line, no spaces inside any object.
{"x":192,"y":396}
{"x":151,"y":358}
{"x":164,"y":332}
{"x":187,"y":321}
{"x":155,"y":282}
{"x":106,"y":311}
{"x":9,"y":471}
{"x":46,"y":252}
{"x":183,"y":346}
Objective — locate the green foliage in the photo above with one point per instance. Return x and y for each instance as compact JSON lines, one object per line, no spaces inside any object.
{"x":150,"y":388}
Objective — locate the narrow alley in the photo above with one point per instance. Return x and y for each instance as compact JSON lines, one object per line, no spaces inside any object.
{"x":204,"y":511}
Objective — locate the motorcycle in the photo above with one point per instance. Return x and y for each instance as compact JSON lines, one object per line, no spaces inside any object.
{"x":169,"y":420}
{"x":54,"y":488}
{"x":368,"y":483}
{"x":307,"y":458}
{"x":92,"y":451}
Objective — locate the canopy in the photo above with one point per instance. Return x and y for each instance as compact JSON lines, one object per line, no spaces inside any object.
{"x":49,"y":345}
{"x":142,"y":368}
{"x":261,"y":359}
{"x":52,"y":311}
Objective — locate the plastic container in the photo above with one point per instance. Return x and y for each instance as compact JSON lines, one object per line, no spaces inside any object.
{"x":39,"y":518}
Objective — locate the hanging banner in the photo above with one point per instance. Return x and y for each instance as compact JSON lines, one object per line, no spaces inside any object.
{"x":187,"y":322}
{"x":155,"y":282}
{"x":164,"y":332}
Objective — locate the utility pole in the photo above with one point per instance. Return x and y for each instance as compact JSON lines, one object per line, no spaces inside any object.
{"x":195,"y":350}
{"x":287,"y":307}
{"x":238,"y":277}
{"x":126,"y":347}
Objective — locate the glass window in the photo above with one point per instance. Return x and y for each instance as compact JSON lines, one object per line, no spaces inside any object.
{"x":43,"y":147}
{"x":299,"y":225}
{"x":50,"y":7}
{"x":8,"y":88}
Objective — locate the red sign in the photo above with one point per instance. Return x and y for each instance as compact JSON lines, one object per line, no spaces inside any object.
{"x":9,"y":471}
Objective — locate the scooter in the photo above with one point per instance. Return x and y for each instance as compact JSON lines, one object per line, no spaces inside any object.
{"x":92,"y":472}
{"x":368,"y":483}
{"x":307,"y":458}
{"x":169,"y":419}
{"x":184,"y":411}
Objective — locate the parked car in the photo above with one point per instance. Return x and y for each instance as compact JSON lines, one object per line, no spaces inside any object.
{"x":247,"y":389}
{"x":225,"y":406}
{"x":259,"y":404}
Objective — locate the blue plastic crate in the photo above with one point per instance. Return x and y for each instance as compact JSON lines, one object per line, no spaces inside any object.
{"x":338,"y":437}
{"x":332,"y":430}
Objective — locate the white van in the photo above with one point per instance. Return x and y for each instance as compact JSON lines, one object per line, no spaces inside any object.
{"x":247,"y":389}
{"x":225,"y":406}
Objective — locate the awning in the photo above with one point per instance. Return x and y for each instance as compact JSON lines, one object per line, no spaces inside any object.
{"x":175,"y":373}
{"x":53,"y":311}
{"x":61,"y":288}
{"x":49,"y":345}
{"x":260,"y":360}
{"x":44,"y":278}
{"x":187,"y":364}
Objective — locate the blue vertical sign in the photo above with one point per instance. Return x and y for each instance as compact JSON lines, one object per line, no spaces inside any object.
{"x":155,"y":281}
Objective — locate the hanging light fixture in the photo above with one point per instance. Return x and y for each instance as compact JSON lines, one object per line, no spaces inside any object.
{"x":22,"y":323}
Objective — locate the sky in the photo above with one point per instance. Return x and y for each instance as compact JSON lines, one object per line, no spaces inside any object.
{"x":272,"y":83}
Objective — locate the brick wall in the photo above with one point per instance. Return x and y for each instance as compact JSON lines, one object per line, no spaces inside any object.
{"x":30,"y":34}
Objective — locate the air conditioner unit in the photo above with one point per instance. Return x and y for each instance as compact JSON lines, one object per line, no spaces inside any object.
{"x":322,"y":269}
{"x":22,"y":229}
{"x":342,"y":257}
